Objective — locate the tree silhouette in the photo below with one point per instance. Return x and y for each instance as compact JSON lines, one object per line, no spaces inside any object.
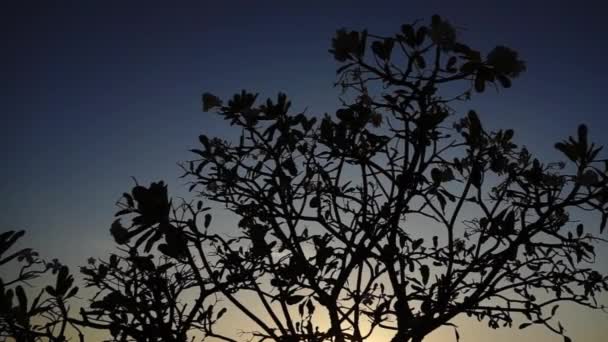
{"x":139,"y":299}
{"x":393,"y":214}
{"x":43,"y":316}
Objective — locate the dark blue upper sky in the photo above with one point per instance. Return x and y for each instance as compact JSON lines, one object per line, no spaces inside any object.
{"x":96,"y":92}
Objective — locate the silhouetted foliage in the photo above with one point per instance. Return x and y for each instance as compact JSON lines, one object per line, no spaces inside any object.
{"x":38,"y":316}
{"x":145,"y":298}
{"x":395,"y":213}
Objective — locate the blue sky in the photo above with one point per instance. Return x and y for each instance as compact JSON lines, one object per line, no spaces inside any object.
{"x":96,"y":92}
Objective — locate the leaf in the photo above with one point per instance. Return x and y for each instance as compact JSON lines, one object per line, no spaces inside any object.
{"x":424,"y":271}
{"x":21,"y":297}
{"x":447,"y":175}
{"x":50,"y":290}
{"x":169,"y":250}
{"x":346,"y":43}
{"x":476,"y":176}
{"x":436,"y":175}
{"x":210,"y":101}
{"x":207,"y":220}
{"x":204,"y":140}
{"x":301,"y":308}
{"x":509,"y":223}
{"x":442,"y":201}
{"x":7,"y":239}
{"x":417,"y":244}
{"x":221,"y":313}
{"x":290,"y":166}
{"x":64,"y":281}
{"x":451,"y":62}
{"x":504,"y":81}
{"x":402,"y":239}
{"x":315,"y":202}
{"x":567,"y":150}
{"x":143,"y":238}
{"x":72,"y":292}
{"x":582,"y":137}
{"x":408,"y":32}
{"x":383,"y":49}
{"x":310,"y":307}
{"x":119,"y":233}
{"x":151,"y":241}
{"x":480,"y":83}
{"x":295,"y":299}
{"x":420,"y":61}
{"x":475,"y":128}
{"x":524,"y":325}
{"x":579,"y":230}
{"x":588,"y":178}
{"x":420,"y":35}
{"x":469,"y":67}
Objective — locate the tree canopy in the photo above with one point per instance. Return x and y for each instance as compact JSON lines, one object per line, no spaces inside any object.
{"x":396,"y":213}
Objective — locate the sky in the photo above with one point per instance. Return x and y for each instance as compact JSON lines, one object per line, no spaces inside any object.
{"x":94,"y":93}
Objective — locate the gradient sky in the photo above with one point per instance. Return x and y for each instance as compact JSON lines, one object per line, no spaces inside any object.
{"x":93,"y":93}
